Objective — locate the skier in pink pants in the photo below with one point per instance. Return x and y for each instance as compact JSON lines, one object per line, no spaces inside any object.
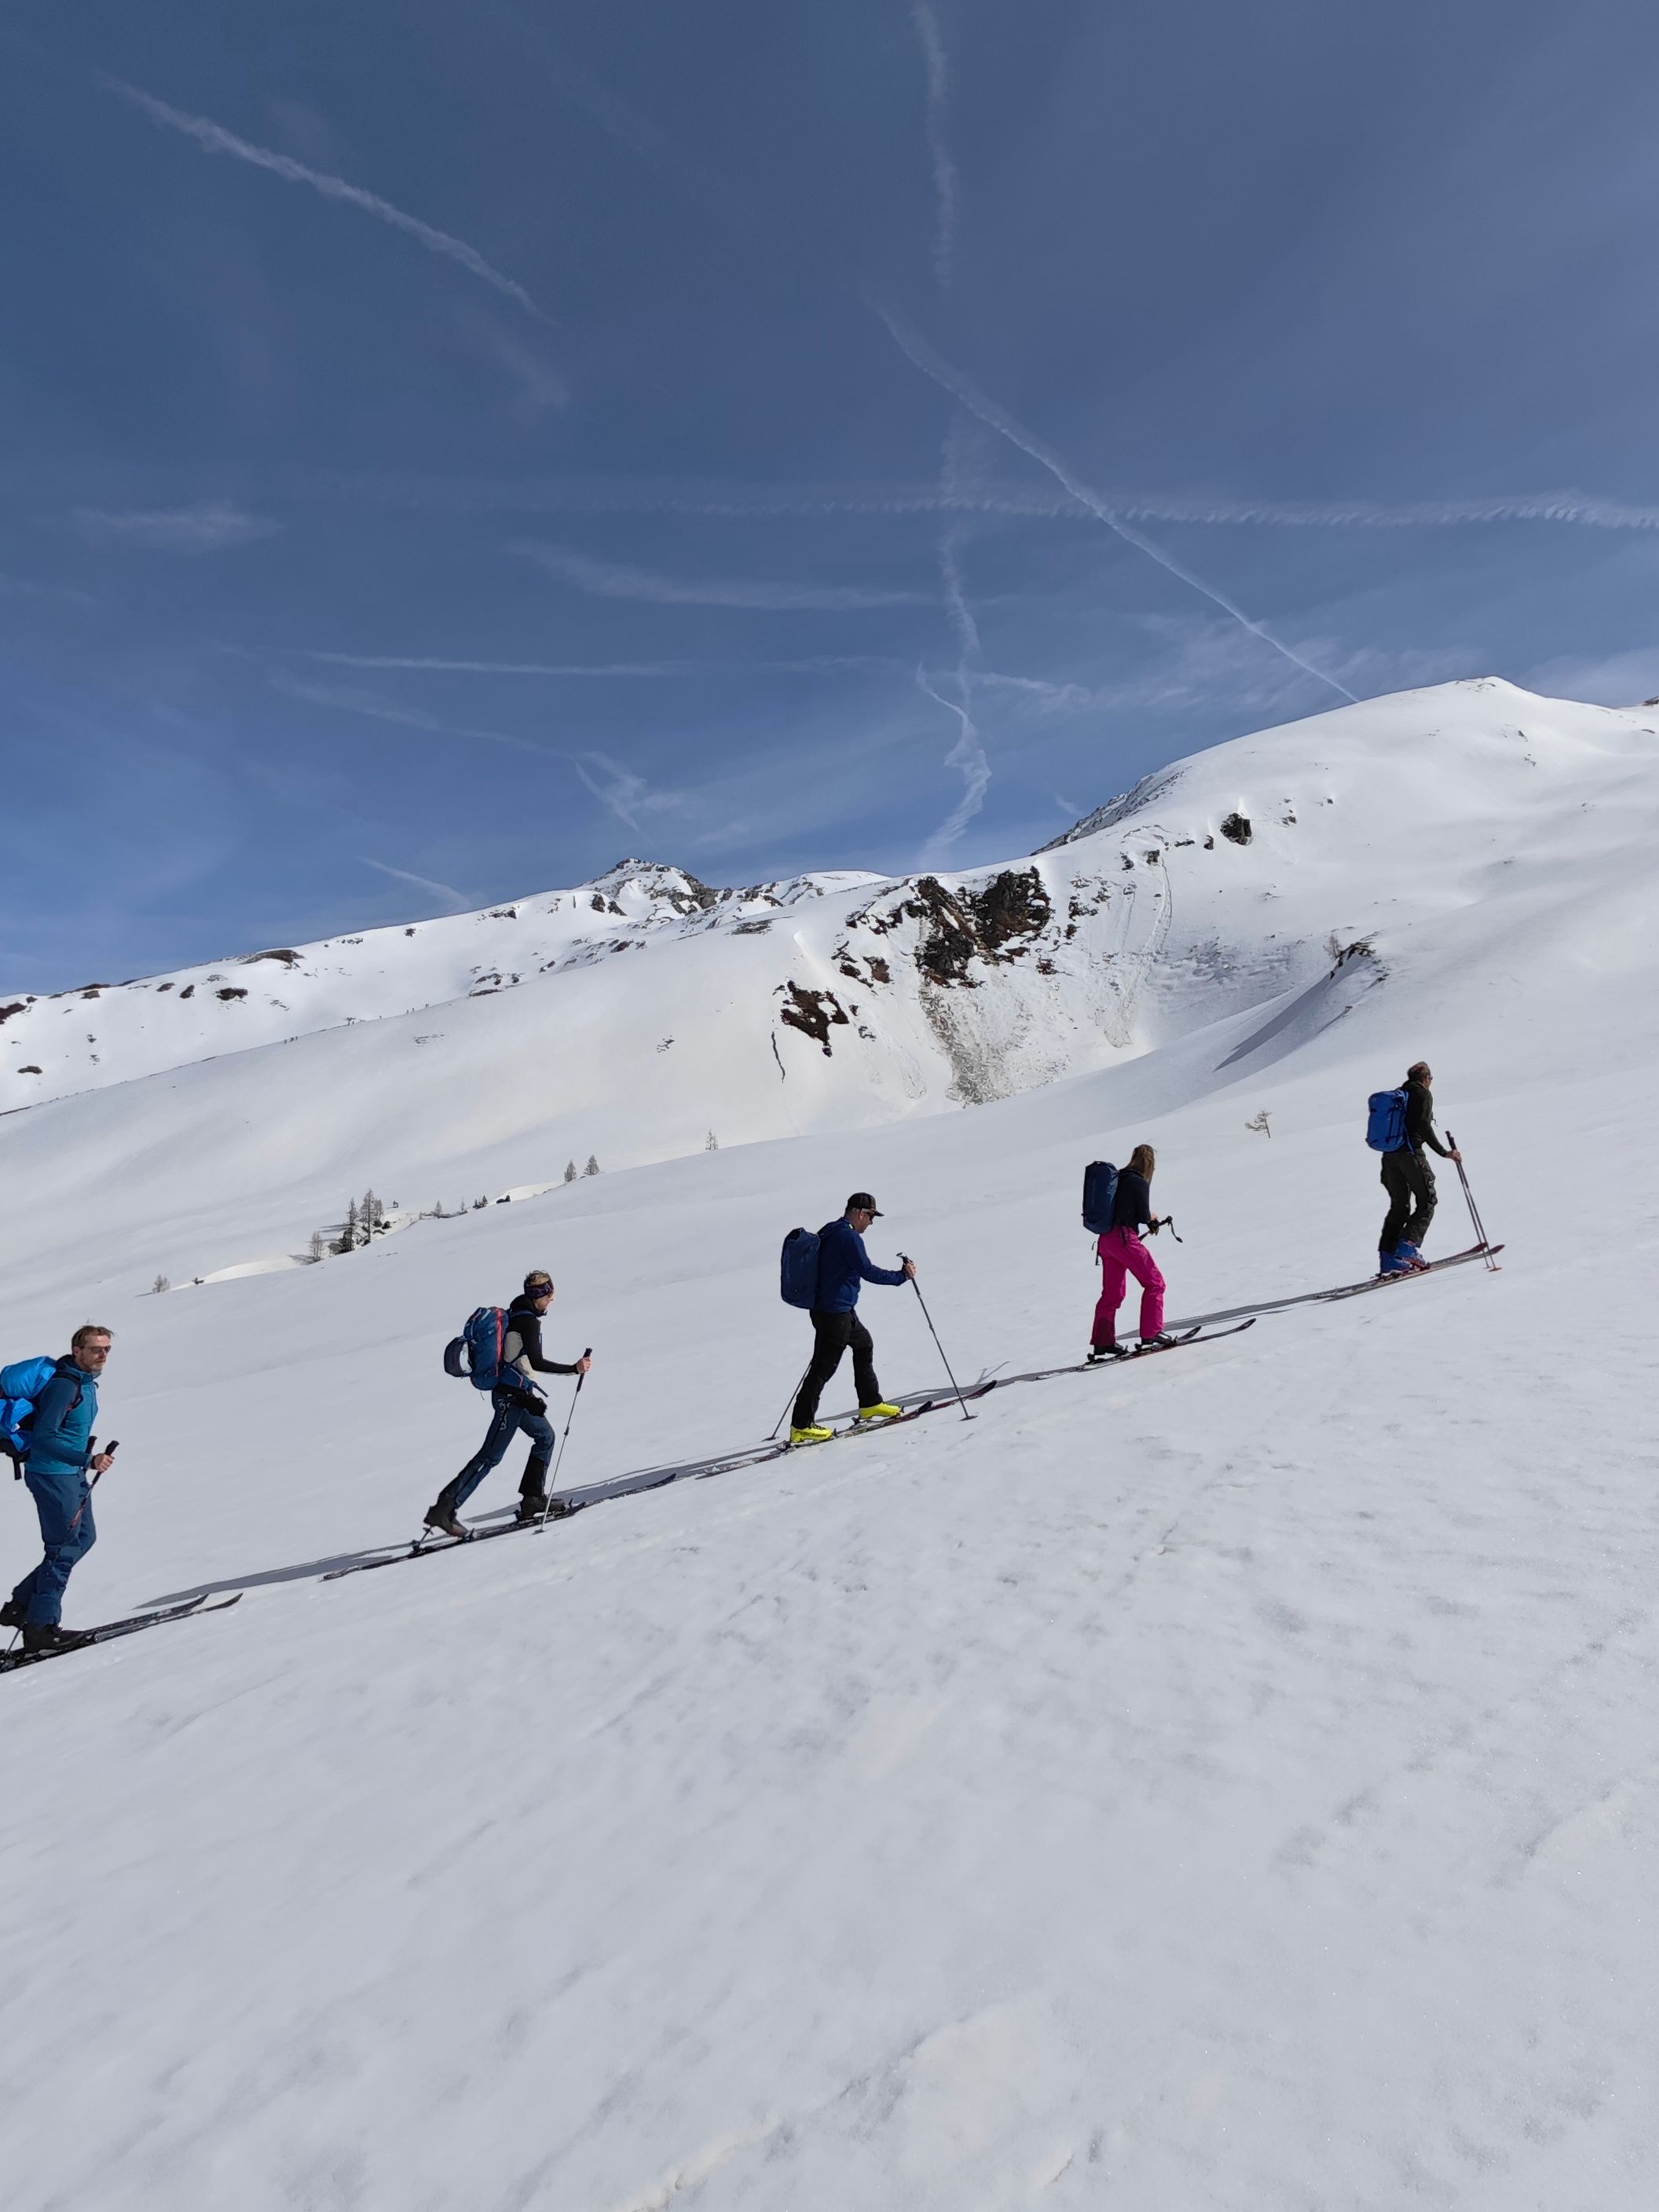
{"x":1123,"y":1254}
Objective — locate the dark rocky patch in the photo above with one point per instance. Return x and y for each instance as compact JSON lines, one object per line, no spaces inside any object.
{"x":957,"y":927}
{"x":230,"y":991}
{"x":1236,"y":830}
{"x":280,"y":952}
{"x":814,"y":1013}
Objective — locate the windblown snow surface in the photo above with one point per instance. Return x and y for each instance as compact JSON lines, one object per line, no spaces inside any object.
{"x":1228,"y":1782}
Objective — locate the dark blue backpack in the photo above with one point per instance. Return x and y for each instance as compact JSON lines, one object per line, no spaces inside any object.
{"x":1099,"y":1196}
{"x":21,"y":1384}
{"x":799,"y":1269}
{"x":477,"y":1354}
{"x":1385,"y":1121}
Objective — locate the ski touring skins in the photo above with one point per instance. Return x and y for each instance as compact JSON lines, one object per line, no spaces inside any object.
{"x":1342,"y":1290}
{"x":1191,"y":1332}
{"x":633,"y":1486}
{"x":108,"y":1630}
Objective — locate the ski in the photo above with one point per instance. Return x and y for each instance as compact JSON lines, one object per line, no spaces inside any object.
{"x":1193,"y":1332}
{"x":634,"y":1486}
{"x":1342,"y":1290}
{"x":107,"y":1631}
{"x":911,"y":1413}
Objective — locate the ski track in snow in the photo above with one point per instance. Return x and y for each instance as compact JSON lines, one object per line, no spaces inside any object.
{"x":1230,"y":1781}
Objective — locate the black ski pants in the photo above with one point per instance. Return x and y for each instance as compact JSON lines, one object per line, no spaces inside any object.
{"x":833,"y":1335}
{"x":1409,"y":1180}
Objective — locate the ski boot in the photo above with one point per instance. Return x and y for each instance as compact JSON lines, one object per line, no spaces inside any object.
{"x":1161,"y":1342}
{"x":881,"y":1411}
{"x":49,"y":1636}
{"x":1098,"y":1353}
{"x":1390,"y":1263}
{"x":813,"y":1433}
{"x":443,"y":1523}
{"x":1413,"y":1258}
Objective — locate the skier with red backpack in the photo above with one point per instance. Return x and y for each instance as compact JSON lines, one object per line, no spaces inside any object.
{"x":499,"y":1351}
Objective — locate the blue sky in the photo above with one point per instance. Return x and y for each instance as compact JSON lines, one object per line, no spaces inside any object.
{"x":448,"y":449}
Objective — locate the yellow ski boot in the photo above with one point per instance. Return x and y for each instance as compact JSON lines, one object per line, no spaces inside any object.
{"x":815,"y":1434}
{"x":882,"y":1412}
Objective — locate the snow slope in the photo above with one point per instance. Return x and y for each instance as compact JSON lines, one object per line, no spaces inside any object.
{"x":1228,"y":1782}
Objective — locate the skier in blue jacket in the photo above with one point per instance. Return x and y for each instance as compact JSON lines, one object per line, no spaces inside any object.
{"x":60,"y":1461}
{"x":843,"y":1264}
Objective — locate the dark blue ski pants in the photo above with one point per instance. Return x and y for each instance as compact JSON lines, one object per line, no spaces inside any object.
{"x":513,"y":1412}
{"x":64,"y":1505}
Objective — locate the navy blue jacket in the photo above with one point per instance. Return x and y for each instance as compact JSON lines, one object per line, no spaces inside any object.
{"x":843,"y":1264}
{"x":60,"y":1440}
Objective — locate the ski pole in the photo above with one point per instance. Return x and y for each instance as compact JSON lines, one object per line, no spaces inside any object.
{"x":934,"y":1333}
{"x":552,"y":1480}
{"x":1474,"y":1211}
{"x":789,"y":1402}
{"x":92,"y":1446}
{"x":1168,"y":1222}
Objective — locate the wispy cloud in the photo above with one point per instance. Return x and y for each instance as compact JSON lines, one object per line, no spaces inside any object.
{"x":537,"y":388}
{"x":815,"y":664}
{"x":922,"y":356}
{"x":610,"y":579}
{"x":626,"y":794}
{"x":945,"y":171}
{"x":968,"y":754}
{"x":712,"y":499}
{"x":1616,"y":679}
{"x":347,"y":699}
{"x":446,"y":891}
{"x":211,"y":526}
{"x":214,"y":138}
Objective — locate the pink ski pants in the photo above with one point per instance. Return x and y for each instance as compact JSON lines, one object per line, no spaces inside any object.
{"x":1123,"y":1254}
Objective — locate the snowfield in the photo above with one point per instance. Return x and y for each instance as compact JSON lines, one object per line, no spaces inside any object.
{"x":1228,"y":1782}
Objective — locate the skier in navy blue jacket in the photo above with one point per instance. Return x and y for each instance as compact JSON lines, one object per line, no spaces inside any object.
{"x":843,"y":1264}
{"x":60,"y":1458}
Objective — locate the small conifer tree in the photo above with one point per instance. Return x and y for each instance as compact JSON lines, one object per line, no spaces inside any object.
{"x":592,"y":1167}
{"x":570,"y":1171}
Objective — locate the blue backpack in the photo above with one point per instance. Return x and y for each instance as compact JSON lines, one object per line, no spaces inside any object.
{"x":1385,"y":1121}
{"x":799,"y":1269}
{"x":21,"y":1384}
{"x":477,"y":1354}
{"x":1099,"y":1196}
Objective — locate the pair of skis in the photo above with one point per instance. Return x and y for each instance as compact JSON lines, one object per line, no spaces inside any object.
{"x":630,"y":1485}
{"x":1487,"y":1252}
{"x":1193,"y":1333}
{"x":107,"y":1631}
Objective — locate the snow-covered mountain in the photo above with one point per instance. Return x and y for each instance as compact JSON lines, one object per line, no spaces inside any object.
{"x":1294,"y":871}
{"x":1226,"y":1781}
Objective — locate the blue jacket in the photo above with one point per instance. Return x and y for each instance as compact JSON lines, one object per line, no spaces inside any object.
{"x":60,"y":1441}
{"x":843,"y":1264}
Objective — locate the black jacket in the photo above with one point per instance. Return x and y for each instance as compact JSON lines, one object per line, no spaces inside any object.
{"x":1133,"y":1203}
{"x":1419,"y":1120}
{"x":525,"y":1323}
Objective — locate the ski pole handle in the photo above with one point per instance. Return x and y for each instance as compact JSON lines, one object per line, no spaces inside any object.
{"x":110,"y":1451}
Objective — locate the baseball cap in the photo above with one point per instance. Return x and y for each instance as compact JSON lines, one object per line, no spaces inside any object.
{"x":862,"y":1202}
